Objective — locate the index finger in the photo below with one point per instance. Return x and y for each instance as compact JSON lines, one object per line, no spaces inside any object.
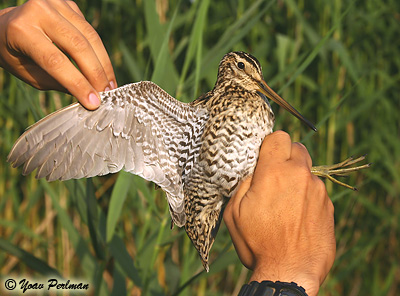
{"x":57,"y":65}
{"x":76,"y":17}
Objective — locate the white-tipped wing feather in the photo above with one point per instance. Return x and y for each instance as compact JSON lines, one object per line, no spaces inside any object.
{"x":138,"y":128}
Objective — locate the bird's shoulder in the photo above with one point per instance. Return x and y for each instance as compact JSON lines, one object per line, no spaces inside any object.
{"x":149,"y":97}
{"x":202,"y":100}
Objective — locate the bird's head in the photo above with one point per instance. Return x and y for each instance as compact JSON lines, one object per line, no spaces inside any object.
{"x":241,"y":70}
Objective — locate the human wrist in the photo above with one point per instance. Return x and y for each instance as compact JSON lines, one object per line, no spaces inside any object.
{"x":277,"y":274}
{"x":269,"y":288}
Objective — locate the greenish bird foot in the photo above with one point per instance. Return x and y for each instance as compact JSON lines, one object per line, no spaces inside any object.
{"x":340,"y":169}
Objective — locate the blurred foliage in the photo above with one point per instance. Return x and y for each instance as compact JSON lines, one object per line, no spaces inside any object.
{"x":335,"y":61}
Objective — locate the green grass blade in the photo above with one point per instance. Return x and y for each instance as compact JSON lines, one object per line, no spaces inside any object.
{"x":89,"y":264}
{"x":117,"y":200}
{"x":27,"y":258}
{"x":93,"y":221}
{"x":195,"y":43}
{"x":123,"y":260}
{"x":158,"y":38}
{"x":316,"y":50}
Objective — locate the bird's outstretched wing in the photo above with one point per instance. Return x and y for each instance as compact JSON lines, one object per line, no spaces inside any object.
{"x":138,"y":128}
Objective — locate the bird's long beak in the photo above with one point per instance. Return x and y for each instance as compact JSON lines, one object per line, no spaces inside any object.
{"x":270,"y":94}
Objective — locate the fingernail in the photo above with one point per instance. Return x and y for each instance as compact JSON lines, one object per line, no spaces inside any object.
{"x":93,"y":99}
{"x":107,"y":88}
{"x":112,"y":84}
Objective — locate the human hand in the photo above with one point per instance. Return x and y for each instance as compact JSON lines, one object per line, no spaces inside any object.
{"x":35,"y":39}
{"x":281,"y":219}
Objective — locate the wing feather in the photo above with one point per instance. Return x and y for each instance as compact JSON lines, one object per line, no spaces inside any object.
{"x":138,"y":128}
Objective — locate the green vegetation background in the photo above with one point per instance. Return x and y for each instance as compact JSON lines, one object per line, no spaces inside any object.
{"x":335,"y":61}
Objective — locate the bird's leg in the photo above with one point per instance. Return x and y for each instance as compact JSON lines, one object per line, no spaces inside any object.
{"x":339,"y":169}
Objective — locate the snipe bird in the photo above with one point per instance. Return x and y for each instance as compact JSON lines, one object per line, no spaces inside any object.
{"x":196,"y":152}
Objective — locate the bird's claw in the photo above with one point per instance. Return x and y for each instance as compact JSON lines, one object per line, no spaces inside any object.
{"x":340,"y":169}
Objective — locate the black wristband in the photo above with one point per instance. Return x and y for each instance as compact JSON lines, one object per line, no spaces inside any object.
{"x":268,"y":288}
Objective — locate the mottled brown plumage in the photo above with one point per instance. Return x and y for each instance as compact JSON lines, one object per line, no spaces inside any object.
{"x":197,"y":153}
{"x":239,"y":119}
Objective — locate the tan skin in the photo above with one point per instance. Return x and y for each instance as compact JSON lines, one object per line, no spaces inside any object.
{"x":35,"y":39}
{"x":280,"y":220}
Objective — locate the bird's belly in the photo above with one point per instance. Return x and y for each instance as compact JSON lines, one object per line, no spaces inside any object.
{"x":229,"y":151}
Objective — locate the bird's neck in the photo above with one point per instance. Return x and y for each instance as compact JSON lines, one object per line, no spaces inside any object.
{"x":228,"y":85}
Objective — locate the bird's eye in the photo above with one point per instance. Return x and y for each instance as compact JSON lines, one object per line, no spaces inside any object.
{"x":240,"y":65}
